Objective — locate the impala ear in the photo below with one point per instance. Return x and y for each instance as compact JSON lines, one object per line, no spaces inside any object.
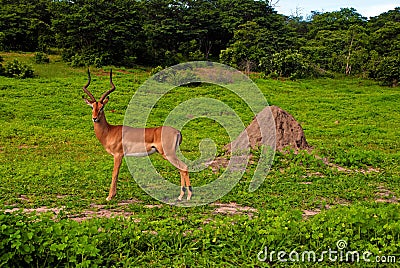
{"x":87,"y":102}
{"x":105,"y":100}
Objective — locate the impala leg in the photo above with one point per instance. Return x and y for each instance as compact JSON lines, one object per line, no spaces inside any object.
{"x":183,"y":170}
{"x":117,"y":165}
{"x":183,"y":189}
{"x":185,"y":181}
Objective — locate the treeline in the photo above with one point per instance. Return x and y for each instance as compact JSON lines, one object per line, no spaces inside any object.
{"x":247,"y":34}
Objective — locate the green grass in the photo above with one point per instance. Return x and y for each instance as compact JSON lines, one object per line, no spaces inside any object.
{"x":50,"y":157}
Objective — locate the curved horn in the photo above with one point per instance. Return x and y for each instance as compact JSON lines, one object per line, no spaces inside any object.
{"x":87,"y":91}
{"x":109,"y":91}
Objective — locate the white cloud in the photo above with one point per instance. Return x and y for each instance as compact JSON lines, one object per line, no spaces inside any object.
{"x":367,"y":8}
{"x":375,"y":10}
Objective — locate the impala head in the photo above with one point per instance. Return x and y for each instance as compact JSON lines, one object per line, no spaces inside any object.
{"x":97,"y":106}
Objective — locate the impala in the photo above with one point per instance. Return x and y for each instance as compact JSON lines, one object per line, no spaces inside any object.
{"x":137,"y":141}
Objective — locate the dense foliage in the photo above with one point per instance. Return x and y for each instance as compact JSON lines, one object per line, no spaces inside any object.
{"x":39,"y":241}
{"x":240,"y":33}
{"x":17,"y":69}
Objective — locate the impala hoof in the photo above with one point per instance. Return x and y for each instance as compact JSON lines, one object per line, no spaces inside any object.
{"x":183,"y":190}
{"x":189,"y":193}
{"x":108,"y":198}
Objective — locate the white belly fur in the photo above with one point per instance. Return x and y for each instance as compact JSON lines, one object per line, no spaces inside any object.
{"x":152,"y":151}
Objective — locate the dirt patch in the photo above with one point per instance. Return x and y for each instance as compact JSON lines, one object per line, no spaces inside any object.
{"x":369,"y":170}
{"x":306,"y":182}
{"x":339,"y":168}
{"x":102,"y":72}
{"x":233,"y":209}
{"x":23,"y":197}
{"x":384,"y":195}
{"x":38,"y":210}
{"x":153,"y":206}
{"x":25,"y":146}
{"x":100,"y":211}
{"x":95,"y":211}
{"x":309,"y":213}
{"x":313,"y":174}
{"x":123,"y":71}
{"x":221,"y":76}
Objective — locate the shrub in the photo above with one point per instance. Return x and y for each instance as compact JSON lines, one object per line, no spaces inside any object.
{"x":288,"y":63}
{"x":18,"y":69}
{"x":1,"y":66}
{"x":175,"y":76}
{"x":27,"y":241}
{"x":40,"y":58}
{"x":388,"y":71}
{"x":80,"y":60}
{"x":156,"y":70}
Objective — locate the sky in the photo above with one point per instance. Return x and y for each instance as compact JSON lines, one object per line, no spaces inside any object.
{"x":367,"y":8}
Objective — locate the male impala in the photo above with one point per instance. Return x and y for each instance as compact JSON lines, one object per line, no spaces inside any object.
{"x":137,"y":141}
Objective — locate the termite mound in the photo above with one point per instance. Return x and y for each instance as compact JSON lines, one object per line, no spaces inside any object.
{"x":288,"y":135}
{"x":288,"y":132}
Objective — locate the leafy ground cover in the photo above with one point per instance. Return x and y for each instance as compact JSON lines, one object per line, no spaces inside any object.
{"x":345,"y":190}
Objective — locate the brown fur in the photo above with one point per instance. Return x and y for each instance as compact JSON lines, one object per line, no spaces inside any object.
{"x":164,"y":140}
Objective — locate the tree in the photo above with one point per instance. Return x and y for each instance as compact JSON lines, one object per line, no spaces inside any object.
{"x":256,"y":39}
{"x":386,"y":40}
{"x":336,"y":20}
{"x":385,"y":43}
{"x":248,"y":47}
{"x":25,"y":25}
{"x":338,"y":41}
{"x":98,"y":32}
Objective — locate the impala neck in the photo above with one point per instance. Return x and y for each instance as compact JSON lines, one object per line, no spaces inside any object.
{"x":101,"y":128}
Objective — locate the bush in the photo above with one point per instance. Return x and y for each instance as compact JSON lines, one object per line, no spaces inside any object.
{"x":30,"y":240}
{"x":78,"y":61}
{"x":291,"y":64}
{"x":40,"y":58}
{"x":1,"y":66}
{"x":175,"y":76}
{"x":156,"y":70}
{"x":18,"y":69}
{"x":81,"y":60}
{"x":388,"y":71}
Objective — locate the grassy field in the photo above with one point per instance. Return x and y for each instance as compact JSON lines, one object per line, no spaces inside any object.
{"x":51,"y":161}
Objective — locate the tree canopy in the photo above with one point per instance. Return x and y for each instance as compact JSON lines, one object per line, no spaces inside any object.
{"x":247,"y":34}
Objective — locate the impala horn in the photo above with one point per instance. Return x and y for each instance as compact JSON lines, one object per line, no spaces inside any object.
{"x":109,"y":91}
{"x":87,"y":91}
